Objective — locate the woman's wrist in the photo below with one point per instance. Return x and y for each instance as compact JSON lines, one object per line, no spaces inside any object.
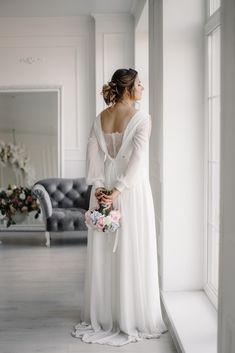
{"x":116,"y":191}
{"x":99,"y":188}
{"x":120,"y":186}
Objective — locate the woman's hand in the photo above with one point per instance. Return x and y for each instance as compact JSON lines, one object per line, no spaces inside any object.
{"x":106,"y":199}
{"x":99,"y":194}
{"x":109,"y":199}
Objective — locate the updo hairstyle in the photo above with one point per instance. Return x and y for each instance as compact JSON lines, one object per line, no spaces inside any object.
{"x":114,"y":90}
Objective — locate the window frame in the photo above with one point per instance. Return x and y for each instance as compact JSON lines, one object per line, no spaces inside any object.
{"x":212,"y":22}
{"x":208,"y":4}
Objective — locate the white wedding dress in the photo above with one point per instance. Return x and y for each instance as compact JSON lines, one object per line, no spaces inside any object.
{"x":121,"y":293}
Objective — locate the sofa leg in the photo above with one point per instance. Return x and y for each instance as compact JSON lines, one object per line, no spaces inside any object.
{"x":48,"y":239}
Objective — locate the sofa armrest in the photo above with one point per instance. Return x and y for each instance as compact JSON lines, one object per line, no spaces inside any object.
{"x":87,"y":196}
{"x":45,"y":202}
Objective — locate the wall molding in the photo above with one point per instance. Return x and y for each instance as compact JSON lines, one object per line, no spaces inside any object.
{"x":29,"y":60}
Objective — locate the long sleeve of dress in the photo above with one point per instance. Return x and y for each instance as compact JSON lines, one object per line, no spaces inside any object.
{"x":94,"y":161}
{"x":140,"y":142}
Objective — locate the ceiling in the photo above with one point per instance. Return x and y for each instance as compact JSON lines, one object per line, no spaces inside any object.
{"x":44,"y":8}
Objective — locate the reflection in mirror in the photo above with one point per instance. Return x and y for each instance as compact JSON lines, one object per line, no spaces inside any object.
{"x":28,"y":136}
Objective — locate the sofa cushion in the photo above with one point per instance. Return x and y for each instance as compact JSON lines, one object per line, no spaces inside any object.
{"x":66,"y":219}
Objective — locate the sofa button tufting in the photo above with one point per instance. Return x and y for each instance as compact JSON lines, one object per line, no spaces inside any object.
{"x":66,"y":201}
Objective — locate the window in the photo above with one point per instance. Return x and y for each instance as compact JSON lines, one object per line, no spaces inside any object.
{"x":214,"y":5}
{"x":212,"y":31}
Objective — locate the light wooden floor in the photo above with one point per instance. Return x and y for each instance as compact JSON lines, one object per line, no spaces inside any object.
{"x":40,"y":297}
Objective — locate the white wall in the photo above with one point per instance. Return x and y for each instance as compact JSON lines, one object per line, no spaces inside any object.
{"x":77,"y":54}
{"x":61,"y":51}
{"x":114,"y":46}
{"x":183,"y":150}
{"x":177,"y":80}
{"x":155,"y":109}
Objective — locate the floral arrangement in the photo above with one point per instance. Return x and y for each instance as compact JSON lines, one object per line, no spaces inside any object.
{"x":17,"y":199}
{"x":16,"y":156}
{"x":103,"y":219}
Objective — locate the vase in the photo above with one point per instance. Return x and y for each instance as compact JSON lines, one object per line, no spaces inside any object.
{"x":19,"y":217}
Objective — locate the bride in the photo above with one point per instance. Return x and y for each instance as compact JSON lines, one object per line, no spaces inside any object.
{"x":121,"y":302}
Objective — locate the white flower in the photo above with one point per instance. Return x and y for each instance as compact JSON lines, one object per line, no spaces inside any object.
{"x":108,"y":220}
{"x":22,"y":196}
{"x":16,"y":156}
{"x":9,"y":192}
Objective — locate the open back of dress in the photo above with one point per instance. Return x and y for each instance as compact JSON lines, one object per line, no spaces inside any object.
{"x":113,"y":142}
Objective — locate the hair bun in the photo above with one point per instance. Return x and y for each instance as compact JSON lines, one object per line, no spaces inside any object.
{"x":122,"y":80}
{"x":112,"y":84}
{"x":109,"y":92}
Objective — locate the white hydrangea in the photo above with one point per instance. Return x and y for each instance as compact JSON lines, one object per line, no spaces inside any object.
{"x":16,"y":156}
{"x":22,"y":196}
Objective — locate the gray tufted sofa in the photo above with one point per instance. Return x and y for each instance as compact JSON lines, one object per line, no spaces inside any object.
{"x":64,"y":203}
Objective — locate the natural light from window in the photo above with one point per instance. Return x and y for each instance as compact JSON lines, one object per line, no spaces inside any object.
{"x":213,"y":155}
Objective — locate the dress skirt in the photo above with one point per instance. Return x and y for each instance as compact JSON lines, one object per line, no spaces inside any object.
{"x":121,"y":297}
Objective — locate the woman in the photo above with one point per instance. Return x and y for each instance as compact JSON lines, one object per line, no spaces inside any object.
{"x":121,"y":297}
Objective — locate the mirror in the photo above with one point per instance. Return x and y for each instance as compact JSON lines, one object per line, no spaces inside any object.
{"x":29,"y":135}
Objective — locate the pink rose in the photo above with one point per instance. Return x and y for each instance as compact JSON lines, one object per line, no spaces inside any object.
{"x":115,"y":215}
{"x":100,"y":223}
{"x":29,"y":198}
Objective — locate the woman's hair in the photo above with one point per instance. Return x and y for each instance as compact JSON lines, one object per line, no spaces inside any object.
{"x":114,"y":90}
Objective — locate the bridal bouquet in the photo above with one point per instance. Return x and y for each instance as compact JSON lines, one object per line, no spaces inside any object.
{"x":102,"y":218}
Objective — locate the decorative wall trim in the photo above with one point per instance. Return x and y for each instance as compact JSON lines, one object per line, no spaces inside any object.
{"x":30,"y":60}
{"x":118,"y":40}
{"x":114,"y":48}
{"x":111,"y":16}
{"x":81,"y":94}
{"x":29,"y":88}
{"x":41,"y":51}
